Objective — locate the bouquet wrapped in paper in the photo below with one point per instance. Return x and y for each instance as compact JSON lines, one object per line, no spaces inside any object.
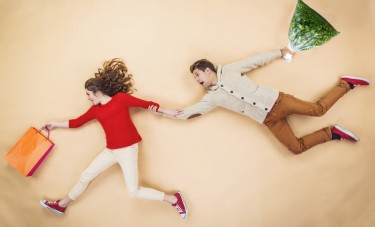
{"x":307,"y":30}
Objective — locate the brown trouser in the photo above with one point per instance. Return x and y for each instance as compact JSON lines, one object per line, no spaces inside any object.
{"x":285,"y":105}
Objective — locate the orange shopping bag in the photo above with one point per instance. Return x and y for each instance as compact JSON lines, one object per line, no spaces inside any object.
{"x":30,"y":151}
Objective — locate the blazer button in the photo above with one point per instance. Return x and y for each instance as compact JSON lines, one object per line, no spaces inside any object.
{"x":222,"y":85}
{"x":242,"y":98}
{"x":266,"y":109}
{"x":254,"y":103}
{"x":231,"y":91}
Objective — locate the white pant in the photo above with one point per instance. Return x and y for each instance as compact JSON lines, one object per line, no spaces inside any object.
{"x":127,"y":157}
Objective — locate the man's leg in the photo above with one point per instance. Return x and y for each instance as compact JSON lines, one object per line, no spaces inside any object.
{"x":292,"y":105}
{"x":285,"y":135}
{"x":287,"y":105}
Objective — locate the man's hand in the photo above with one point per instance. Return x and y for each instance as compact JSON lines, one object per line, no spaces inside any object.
{"x":285,"y":51}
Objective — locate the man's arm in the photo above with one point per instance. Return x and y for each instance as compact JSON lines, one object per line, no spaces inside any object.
{"x":195,"y":110}
{"x":256,"y":60}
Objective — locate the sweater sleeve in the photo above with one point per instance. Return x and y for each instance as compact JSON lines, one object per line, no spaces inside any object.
{"x":253,"y":61}
{"x":83,"y":119}
{"x":197,"y":109}
{"x":132,"y":101}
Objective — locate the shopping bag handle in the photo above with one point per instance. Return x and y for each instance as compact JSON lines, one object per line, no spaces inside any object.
{"x":45,"y":128}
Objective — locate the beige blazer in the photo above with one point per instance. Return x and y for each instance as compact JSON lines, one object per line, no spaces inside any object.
{"x":236,"y":92}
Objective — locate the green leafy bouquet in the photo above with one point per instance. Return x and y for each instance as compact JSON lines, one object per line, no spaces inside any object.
{"x":307,"y":30}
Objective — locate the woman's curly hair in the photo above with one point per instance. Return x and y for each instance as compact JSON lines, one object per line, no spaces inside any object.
{"x":112,"y":79}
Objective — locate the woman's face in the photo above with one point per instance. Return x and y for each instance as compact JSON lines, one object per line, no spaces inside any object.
{"x":93,"y":97}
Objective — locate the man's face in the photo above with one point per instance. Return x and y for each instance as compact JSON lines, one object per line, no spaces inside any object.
{"x":203,"y":78}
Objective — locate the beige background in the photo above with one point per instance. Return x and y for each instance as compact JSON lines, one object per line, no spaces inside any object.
{"x":230,"y":169}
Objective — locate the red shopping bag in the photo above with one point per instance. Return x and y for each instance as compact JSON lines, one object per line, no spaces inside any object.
{"x":30,"y":151}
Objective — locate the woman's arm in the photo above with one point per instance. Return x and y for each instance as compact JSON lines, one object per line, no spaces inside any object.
{"x":132,"y":101}
{"x":52,"y":125}
{"x":73,"y":123}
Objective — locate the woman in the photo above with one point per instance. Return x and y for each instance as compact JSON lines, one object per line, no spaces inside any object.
{"x":109,"y":91}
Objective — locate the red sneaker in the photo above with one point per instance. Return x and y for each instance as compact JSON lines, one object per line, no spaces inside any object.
{"x":54,"y":206}
{"x":344,"y":133}
{"x":356,"y":81}
{"x":180,"y":205}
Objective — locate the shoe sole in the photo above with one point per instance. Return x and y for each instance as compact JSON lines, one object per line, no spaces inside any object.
{"x":356,"y":78}
{"x":49,"y":208}
{"x":183,"y":202}
{"x":348,"y":133}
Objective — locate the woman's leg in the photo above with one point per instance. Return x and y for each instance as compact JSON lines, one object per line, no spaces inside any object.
{"x":128,"y":159}
{"x":104,"y":160}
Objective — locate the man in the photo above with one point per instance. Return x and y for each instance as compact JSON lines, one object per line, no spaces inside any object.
{"x":228,"y":87}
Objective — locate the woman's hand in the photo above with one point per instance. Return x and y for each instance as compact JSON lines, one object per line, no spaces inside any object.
{"x":49,"y":126}
{"x":53,"y":125}
{"x":153,"y":109}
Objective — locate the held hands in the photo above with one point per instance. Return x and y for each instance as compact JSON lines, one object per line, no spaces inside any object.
{"x":170,"y":113}
{"x":165,"y":112}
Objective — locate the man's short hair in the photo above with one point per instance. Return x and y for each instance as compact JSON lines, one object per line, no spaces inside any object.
{"x":202,"y":65}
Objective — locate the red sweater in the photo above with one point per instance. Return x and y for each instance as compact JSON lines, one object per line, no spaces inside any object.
{"x":115,"y":119}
